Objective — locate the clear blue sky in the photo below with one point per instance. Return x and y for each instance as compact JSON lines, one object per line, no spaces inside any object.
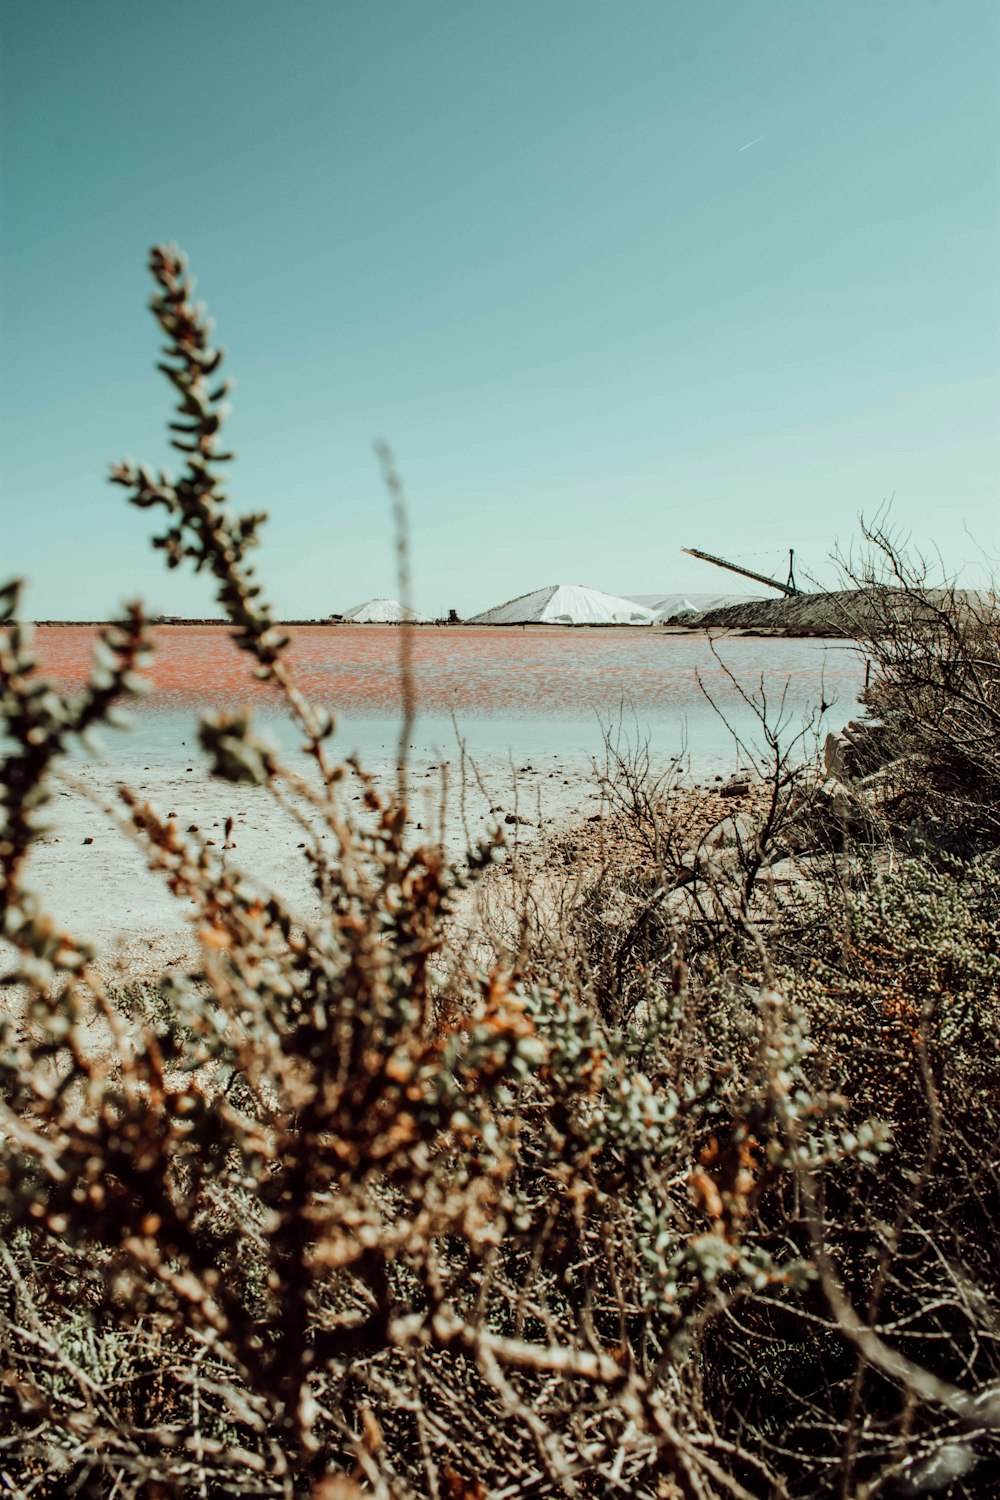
{"x":522,"y":242}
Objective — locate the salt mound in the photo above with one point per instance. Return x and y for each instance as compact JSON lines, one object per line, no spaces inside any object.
{"x":678,"y":606}
{"x":383,"y":612}
{"x":566,"y":604}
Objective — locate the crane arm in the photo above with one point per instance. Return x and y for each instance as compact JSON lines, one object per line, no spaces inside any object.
{"x":720,"y":562}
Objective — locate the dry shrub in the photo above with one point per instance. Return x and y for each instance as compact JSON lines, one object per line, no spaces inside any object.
{"x":933,"y":692}
{"x":583,"y":1220}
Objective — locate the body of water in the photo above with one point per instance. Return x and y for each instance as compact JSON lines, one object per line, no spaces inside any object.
{"x":507,"y":692}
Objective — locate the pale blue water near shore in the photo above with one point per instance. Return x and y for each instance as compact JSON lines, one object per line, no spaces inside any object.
{"x":532,"y":715}
{"x":803,"y":680}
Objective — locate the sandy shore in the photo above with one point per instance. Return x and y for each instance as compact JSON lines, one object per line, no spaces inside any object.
{"x":93,"y":879}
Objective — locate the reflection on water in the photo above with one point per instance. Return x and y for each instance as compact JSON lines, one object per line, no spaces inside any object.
{"x":509,"y":691}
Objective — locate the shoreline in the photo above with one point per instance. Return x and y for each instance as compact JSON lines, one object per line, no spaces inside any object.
{"x":762,"y":630}
{"x":93,"y":879}
{"x":486,"y":759}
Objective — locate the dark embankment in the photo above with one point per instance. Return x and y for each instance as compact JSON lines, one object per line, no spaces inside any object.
{"x":843,"y":612}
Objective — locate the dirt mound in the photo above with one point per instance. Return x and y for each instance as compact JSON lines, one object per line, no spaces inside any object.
{"x":843,"y":613}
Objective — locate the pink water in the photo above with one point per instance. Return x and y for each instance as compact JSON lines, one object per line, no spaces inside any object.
{"x":538,"y":687}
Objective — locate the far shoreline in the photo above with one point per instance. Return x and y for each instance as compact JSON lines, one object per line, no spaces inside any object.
{"x":714,"y":631}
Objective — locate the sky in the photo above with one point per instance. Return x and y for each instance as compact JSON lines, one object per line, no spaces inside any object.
{"x":611,"y":279}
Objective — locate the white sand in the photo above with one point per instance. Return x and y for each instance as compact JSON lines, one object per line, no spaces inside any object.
{"x":94,"y":880}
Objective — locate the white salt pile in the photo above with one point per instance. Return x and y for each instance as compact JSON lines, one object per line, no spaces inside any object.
{"x":566,"y":604}
{"x":383,"y":612}
{"x":678,"y":606}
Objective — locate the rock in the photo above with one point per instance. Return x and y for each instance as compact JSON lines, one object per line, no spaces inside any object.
{"x":825,"y":815}
{"x":710,"y":866}
{"x":516,"y":818}
{"x":835,"y":813}
{"x":839,"y":799}
{"x":685,"y":905}
{"x":855,"y":751}
{"x":736,"y":786}
{"x":736,"y":831}
{"x":836,"y":753}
